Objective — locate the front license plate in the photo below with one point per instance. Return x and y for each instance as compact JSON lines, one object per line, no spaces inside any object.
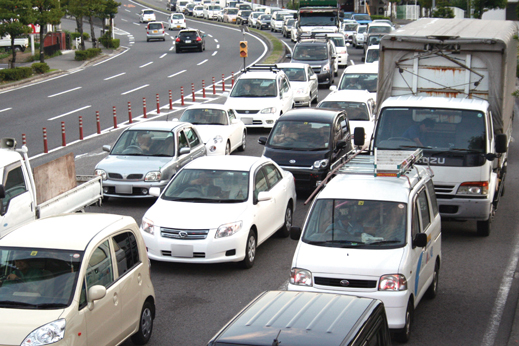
{"x":123,"y":189}
{"x":246,"y":121}
{"x":182,"y":251}
{"x":188,"y":41}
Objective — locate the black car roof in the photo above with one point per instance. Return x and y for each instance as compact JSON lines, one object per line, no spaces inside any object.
{"x":311,"y":114}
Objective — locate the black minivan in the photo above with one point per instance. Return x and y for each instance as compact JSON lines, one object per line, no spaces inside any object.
{"x":307,"y":142}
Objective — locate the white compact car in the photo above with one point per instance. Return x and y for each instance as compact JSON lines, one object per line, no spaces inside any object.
{"x":147,"y":15}
{"x":359,"y":77}
{"x":177,"y":21}
{"x":221,"y":131}
{"x":374,"y":231}
{"x":219,"y":209}
{"x":198,"y":11}
{"x":304,"y":82}
{"x":341,"y":48}
{"x":260,"y":96}
{"x":75,"y":279}
{"x":359,"y":36}
{"x":359,"y":106}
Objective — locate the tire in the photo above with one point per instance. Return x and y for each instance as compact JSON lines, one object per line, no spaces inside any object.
{"x":483,"y":228}
{"x":284,"y":231}
{"x":404,"y":334}
{"x":228,"y":149}
{"x":243,"y":142}
{"x":432,"y":291}
{"x":143,"y":335}
{"x":147,"y":40}
{"x":250,"y":250}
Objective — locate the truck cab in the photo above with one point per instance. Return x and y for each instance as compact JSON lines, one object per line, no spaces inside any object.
{"x":373,"y":231}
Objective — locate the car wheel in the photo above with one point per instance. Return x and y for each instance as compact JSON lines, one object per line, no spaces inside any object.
{"x":250,"y":250}
{"x":143,"y":335}
{"x":164,"y":39}
{"x":228,"y":148}
{"x":316,"y":98}
{"x":284,"y":231}
{"x":243,"y":141}
{"x":403,"y":334}
{"x":432,"y":291}
{"x":147,"y":40}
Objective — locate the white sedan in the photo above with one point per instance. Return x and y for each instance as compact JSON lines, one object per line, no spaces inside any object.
{"x":221,"y":131}
{"x":219,"y":209}
{"x":303,"y":81}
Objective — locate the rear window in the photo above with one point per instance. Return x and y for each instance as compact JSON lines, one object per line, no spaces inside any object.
{"x":148,"y":12}
{"x":178,"y":16}
{"x":155,"y":26}
{"x":188,"y":34}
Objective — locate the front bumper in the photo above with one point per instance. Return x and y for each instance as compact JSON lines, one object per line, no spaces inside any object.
{"x":302,"y":100}
{"x":258,"y":120}
{"x":464,"y":209}
{"x":306,"y":177}
{"x":133,"y":189}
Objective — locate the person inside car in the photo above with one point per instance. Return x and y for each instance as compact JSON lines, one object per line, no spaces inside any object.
{"x":285,"y":135}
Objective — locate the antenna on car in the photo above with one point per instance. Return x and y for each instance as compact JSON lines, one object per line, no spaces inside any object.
{"x":276,"y":342}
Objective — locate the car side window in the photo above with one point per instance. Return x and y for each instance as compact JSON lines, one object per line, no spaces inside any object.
{"x":273,"y":175}
{"x":232,"y":116}
{"x":126,"y":252}
{"x":423,"y":207}
{"x":14,"y":184}
{"x":415,"y":225}
{"x":260,"y":183}
{"x":343,"y":123}
{"x":192,"y":137}
{"x":99,"y":271}
{"x":182,"y":141}
{"x":432,"y":197}
{"x":337,"y":132}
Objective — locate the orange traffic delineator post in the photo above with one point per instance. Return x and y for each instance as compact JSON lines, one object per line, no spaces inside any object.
{"x":158,"y":104}
{"x":170,"y":100}
{"x":24,"y":140}
{"x":98,"y":123}
{"x":45,"y":146}
{"x":223,"y":82}
{"x":193,"y":91}
{"x":182,"y":95}
{"x":232,"y":79}
{"x":63,"y":138}
{"x":144,"y":108}
{"x":115,"y":118}
{"x":214,"y":87}
{"x":203,"y":88}
{"x":80,"y":127}
{"x":130,"y":119}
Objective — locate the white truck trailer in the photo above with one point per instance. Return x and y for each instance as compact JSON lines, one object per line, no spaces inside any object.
{"x":49,"y":190}
{"x":445,"y":85}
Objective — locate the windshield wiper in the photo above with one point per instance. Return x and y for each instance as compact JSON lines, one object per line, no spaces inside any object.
{"x":186,"y":199}
{"x":13,"y":303}
{"x":51,"y":305}
{"x":384,"y":242}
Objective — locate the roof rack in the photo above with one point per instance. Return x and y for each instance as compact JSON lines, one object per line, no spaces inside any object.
{"x":313,"y":36}
{"x":262,"y":67}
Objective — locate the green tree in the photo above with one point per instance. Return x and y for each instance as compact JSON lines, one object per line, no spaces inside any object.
{"x":15,"y":15}
{"x":480,"y":6}
{"x":77,"y":9}
{"x":46,"y":12}
{"x":110,"y":9}
{"x":443,"y":10}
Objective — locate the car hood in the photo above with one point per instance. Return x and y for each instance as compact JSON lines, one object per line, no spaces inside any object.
{"x":208,"y":132}
{"x":251,"y":102}
{"x":16,"y":324}
{"x":297,"y":85}
{"x":132,"y":164}
{"x":283,"y":157}
{"x":348,"y":261}
{"x":192,"y":215}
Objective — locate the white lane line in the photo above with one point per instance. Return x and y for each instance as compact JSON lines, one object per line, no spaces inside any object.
{"x":217,"y":46}
{"x":286,"y":44}
{"x":113,"y":57}
{"x":71,"y":112}
{"x":202,"y":62}
{"x":210,"y":35}
{"x":151,"y":62}
{"x":124,"y":20}
{"x":138,"y":24}
{"x":5,"y":109}
{"x":117,"y":75}
{"x":127,"y":10}
{"x":172,"y":48}
{"x":215,"y":40}
{"x":141,"y":87}
{"x":176,"y":74}
{"x":64,"y":92}
{"x":215,"y":52}
{"x":163,"y":55}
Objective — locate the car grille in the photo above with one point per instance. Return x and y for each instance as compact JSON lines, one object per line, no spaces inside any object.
{"x":442,"y":189}
{"x":247,"y":111}
{"x":136,"y":176}
{"x":195,"y":254}
{"x":351,"y":283}
{"x":317,"y":69}
{"x":191,"y":234}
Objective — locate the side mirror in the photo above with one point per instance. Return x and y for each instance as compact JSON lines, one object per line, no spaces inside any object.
{"x":262,"y":140}
{"x":420,"y":240}
{"x":155,"y":191}
{"x":184,"y":151}
{"x":358,"y":136}
{"x":288,"y":56}
{"x":295,"y":233}
{"x":106,"y":148}
{"x":333,"y":88}
{"x":501,"y":143}
{"x":95,"y":293}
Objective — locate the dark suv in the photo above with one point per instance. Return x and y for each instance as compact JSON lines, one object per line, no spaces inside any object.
{"x":191,"y":39}
{"x":320,"y":54}
{"x":308,"y":142}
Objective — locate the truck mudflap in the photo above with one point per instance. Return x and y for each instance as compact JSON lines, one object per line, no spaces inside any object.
{"x":89,"y":191}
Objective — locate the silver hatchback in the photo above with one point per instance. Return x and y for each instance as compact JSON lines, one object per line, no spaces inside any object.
{"x":148,"y":155}
{"x":155,"y":31}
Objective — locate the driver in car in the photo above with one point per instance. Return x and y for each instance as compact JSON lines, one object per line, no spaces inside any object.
{"x":144,"y":141}
{"x":24,"y":272}
{"x":344,"y":222}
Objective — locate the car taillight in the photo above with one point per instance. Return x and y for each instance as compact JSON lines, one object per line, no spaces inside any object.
{"x":178,"y":39}
{"x":198,"y":39}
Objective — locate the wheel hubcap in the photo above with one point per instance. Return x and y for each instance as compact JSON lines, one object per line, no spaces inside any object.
{"x":288,"y":218}
{"x":252,"y":248}
{"x":146,"y":322}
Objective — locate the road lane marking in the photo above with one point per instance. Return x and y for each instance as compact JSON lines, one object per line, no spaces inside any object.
{"x":124,"y":20}
{"x":217,"y":46}
{"x":127,"y":10}
{"x":210,"y":35}
{"x":117,"y":75}
{"x":64,"y":92}
{"x":151,"y":62}
{"x":215,"y":52}
{"x":215,"y":40}
{"x":176,"y":74}
{"x":71,"y":112}
{"x":163,"y":55}
{"x":141,"y":87}
{"x":113,"y":57}
{"x":138,"y":24}
{"x":5,"y":109}
{"x":172,"y":48}
{"x":202,"y":62}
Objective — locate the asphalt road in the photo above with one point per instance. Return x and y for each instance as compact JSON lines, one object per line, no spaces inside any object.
{"x":478,"y":289}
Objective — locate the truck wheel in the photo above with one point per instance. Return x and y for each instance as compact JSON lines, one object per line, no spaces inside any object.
{"x":403,"y":334}
{"x":284,"y":231}
{"x":432,"y":291}
{"x":250,"y":250}
{"x":484,"y":227}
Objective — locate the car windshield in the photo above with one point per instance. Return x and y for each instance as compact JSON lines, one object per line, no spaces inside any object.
{"x":190,"y":6}
{"x":362,"y":29}
{"x":188,"y":35}
{"x":209,"y":186}
{"x":356,"y":223}
{"x":361,"y":17}
{"x":144,"y":143}
{"x":232,"y":11}
{"x":338,"y":41}
{"x":350,"y":27}
{"x":300,"y":135}
{"x":204,"y":116}
{"x":359,"y":81}
{"x":290,"y":23}
{"x":245,"y":13}
{"x":38,"y":278}
{"x":310,"y":53}
{"x":317,"y":19}
{"x":178,"y":16}
{"x":354,"y":110}
{"x":379,"y":30}
{"x":295,"y":74}
{"x":254,"y":88}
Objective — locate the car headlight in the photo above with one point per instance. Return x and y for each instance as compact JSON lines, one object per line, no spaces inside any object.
{"x":326,"y":67}
{"x":218,"y":139}
{"x":101,"y":173}
{"x":228,"y":229}
{"x":321,"y":163}
{"x":147,"y":226}
{"x":300,"y":277}
{"x":270,"y":110}
{"x":477,"y":188}
{"x":153,"y":176}
{"x":393,"y":282}
{"x":47,"y":334}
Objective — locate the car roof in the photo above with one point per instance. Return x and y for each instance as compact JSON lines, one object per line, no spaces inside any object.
{"x":361,"y":68}
{"x":209,"y":105}
{"x":261,"y":74}
{"x":75,"y":231}
{"x":312,"y":42}
{"x":226,"y":162}
{"x":292,"y":64}
{"x":158,"y":125}
{"x":310,"y":114}
{"x":380,"y":24}
{"x":349,"y":96}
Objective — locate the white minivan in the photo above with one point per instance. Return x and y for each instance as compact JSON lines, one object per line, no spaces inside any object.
{"x":374,"y":231}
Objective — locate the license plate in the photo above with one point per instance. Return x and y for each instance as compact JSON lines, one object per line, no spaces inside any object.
{"x":155,"y":31}
{"x":234,"y":20}
{"x":188,"y":41}
{"x":182,"y":251}
{"x":178,"y":26}
{"x":123,"y":189}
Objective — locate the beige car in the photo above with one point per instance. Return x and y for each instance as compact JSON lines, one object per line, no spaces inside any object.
{"x":77,"y":279}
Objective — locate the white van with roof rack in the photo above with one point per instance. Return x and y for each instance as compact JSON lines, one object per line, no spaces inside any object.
{"x":373,"y":231}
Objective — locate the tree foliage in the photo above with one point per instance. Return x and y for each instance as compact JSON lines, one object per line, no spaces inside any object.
{"x":443,"y":10}
{"x":15,"y":15}
{"x":46,"y":12}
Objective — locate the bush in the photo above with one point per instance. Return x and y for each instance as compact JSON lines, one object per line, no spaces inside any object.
{"x":12,"y":74}
{"x":87,"y":54}
{"x":378,"y":16}
{"x":107,"y":42}
{"x":75,"y":35}
{"x":40,"y":67}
